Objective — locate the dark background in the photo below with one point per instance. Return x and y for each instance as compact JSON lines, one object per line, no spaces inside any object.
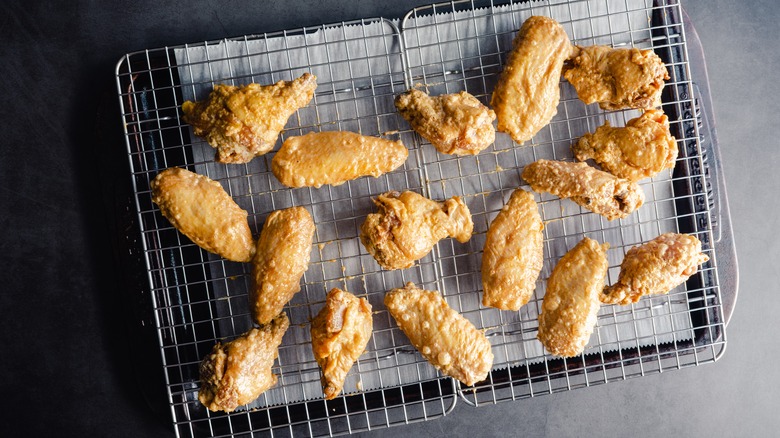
{"x":69,"y":332}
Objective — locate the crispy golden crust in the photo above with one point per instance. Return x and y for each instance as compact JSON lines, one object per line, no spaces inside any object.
{"x":571,"y":301}
{"x":201,"y":209}
{"x":237,"y":372}
{"x":655,"y":268}
{"x":445,"y":338}
{"x":513,"y":254}
{"x":339,"y":334}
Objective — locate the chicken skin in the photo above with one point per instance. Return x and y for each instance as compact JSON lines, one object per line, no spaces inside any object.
{"x":513,"y":254}
{"x":335,"y":157}
{"x":571,"y":301}
{"x":526,"y":96}
{"x":282,"y":257}
{"x":655,"y":268}
{"x":457,"y":124}
{"x":408,"y":225}
{"x":339,"y":334}
{"x":237,"y":372}
{"x":617,"y":78}
{"x":244,"y":122}
{"x":596,"y":190}
{"x":642,"y":149}
{"x":445,"y":338}
{"x":201,"y":209}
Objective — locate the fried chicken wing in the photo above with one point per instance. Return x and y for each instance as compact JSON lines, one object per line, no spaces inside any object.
{"x":201,"y":209}
{"x":513,"y":254}
{"x":526,"y":96}
{"x":642,"y":149}
{"x":408,"y":225}
{"x":456,"y":124}
{"x":617,"y":78}
{"x":339,"y":334}
{"x":596,"y":190}
{"x":282,"y":257}
{"x":237,"y":372}
{"x":655,"y":268}
{"x":244,"y":122}
{"x":335,"y":157}
{"x":571,"y":301}
{"x":445,"y":338}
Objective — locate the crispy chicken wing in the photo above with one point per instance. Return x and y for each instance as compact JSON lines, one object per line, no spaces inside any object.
{"x":655,"y":268}
{"x":641,"y":149}
{"x":339,"y":334}
{"x":596,"y":190}
{"x":237,"y":372}
{"x":527,"y":93}
{"x":513,"y":254}
{"x":335,"y":157}
{"x":456,"y":124}
{"x":445,"y":338}
{"x":282,"y":257}
{"x":201,"y":209}
{"x":571,"y":301}
{"x":617,"y":78}
{"x":408,"y":225}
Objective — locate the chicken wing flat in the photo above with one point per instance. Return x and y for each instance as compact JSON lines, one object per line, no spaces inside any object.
{"x":201,"y":209}
{"x":408,"y":225}
{"x":571,"y":301}
{"x":513,"y":254}
{"x":237,"y":372}
{"x":282,"y":256}
{"x":244,"y":122}
{"x":617,"y":78}
{"x":596,"y":190}
{"x":339,"y":334}
{"x":456,"y":124}
{"x":642,"y":149}
{"x":445,"y":338}
{"x":527,"y":93}
{"x":655,"y":268}
{"x":335,"y":157}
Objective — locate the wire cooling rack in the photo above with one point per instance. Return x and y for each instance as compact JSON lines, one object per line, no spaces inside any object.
{"x":361,"y":66}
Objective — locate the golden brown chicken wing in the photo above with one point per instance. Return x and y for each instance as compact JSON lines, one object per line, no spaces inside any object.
{"x":655,"y":268}
{"x":201,"y":209}
{"x":408,"y":225}
{"x":641,"y":149}
{"x":335,"y":157}
{"x":617,"y":78}
{"x":456,"y":124}
{"x":339,"y":334}
{"x":445,"y":338}
{"x":282,"y":257}
{"x":237,"y":372}
{"x":596,"y":190}
{"x":527,"y":93}
{"x":571,"y":301}
{"x":513,"y":254}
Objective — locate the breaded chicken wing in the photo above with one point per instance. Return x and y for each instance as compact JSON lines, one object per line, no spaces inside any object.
{"x":655,"y":268}
{"x":571,"y":301}
{"x":339,"y":334}
{"x":335,"y":157}
{"x":456,"y":123}
{"x":201,"y":209}
{"x":408,"y":225}
{"x":445,"y":338}
{"x":513,"y":254}
{"x":596,"y":190}
{"x":237,"y":372}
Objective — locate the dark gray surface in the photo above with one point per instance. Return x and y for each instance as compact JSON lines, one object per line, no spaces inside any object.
{"x":66,"y":367}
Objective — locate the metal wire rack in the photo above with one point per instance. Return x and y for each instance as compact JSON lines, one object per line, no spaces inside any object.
{"x":199,"y":298}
